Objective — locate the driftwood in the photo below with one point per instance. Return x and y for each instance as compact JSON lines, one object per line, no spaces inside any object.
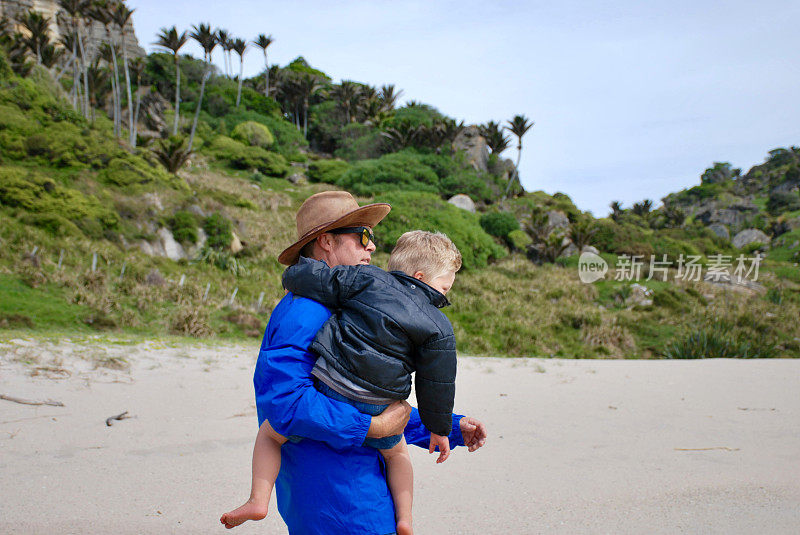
{"x":121,"y":416}
{"x":724,"y":448}
{"x":30,"y":402}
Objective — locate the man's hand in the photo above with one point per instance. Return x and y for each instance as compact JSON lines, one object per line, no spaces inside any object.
{"x":391,"y":421}
{"x":473,"y":431}
{"x":444,"y":447}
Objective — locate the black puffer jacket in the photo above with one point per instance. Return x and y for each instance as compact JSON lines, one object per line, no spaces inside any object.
{"x":385,"y":327}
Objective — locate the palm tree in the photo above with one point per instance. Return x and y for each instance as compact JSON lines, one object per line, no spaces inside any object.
{"x":172,"y":153}
{"x":495,"y":139}
{"x":518,"y":126}
{"x":75,"y":10}
{"x":121,"y":16}
{"x":172,"y":40}
{"x":38,"y":27}
{"x":389,"y":96}
{"x":308,"y":85}
{"x":137,"y":67}
{"x":263,"y":41}
{"x":224,"y":40}
{"x":616,"y":209}
{"x":207,"y":39}
{"x":581,"y":233}
{"x":101,"y":12}
{"x":643,"y":208}
{"x":347,"y":94}
{"x":240,"y":47}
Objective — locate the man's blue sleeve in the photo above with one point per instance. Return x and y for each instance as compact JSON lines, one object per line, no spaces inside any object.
{"x":285,"y":393}
{"x":418,"y":435}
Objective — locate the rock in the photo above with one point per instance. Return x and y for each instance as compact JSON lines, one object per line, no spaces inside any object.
{"x":474,"y":146}
{"x":152,"y":200}
{"x":720,"y":230}
{"x":737,"y":284}
{"x":296,"y":178}
{"x":463,"y":201}
{"x":196,"y":210}
{"x":640,"y":296}
{"x":786,"y":187}
{"x":154,"y":278}
{"x":557,"y":219}
{"x":192,"y":250}
{"x":152,"y":111}
{"x":571,"y":248}
{"x":172,"y":249}
{"x":748,"y":236}
{"x":734,"y":215}
{"x":236,"y":244}
{"x":590,"y":249}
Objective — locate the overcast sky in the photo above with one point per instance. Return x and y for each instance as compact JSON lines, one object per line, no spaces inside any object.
{"x":631,"y":100}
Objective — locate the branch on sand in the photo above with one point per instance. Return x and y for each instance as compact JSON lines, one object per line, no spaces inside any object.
{"x":30,"y":402}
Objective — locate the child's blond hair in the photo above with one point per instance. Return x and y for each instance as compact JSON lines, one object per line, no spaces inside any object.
{"x":431,"y":253}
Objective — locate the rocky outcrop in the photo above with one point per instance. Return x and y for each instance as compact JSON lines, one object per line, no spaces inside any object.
{"x":97,"y":33}
{"x":733,"y":215}
{"x":748,"y":236}
{"x":474,"y":146}
{"x":557,"y":219}
{"x":720,"y":230}
{"x":463,"y":201}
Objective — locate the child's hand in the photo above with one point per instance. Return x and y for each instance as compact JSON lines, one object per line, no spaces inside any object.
{"x":444,"y":447}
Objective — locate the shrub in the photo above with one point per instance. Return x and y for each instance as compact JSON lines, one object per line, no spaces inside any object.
{"x":392,"y":172}
{"x":253,"y":134}
{"x":61,"y":144}
{"x":241,"y":156}
{"x":28,"y":191}
{"x":128,"y":170}
{"x":327,"y":171}
{"x":359,"y":142}
{"x":717,"y":339}
{"x":499,"y":224}
{"x":184,"y":227}
{"x":519,"y":240}
{"x":219,"y":231}
{"x":425,"y":211}
{"x":783,"y":201}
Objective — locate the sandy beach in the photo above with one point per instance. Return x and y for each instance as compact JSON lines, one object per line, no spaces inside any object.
{"x":575,"y":446}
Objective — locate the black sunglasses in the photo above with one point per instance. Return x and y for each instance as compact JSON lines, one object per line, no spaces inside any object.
{"x":366,"y":234}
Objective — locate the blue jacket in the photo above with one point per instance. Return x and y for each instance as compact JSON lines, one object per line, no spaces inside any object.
{"x":328,"y":484}
{"x":387,"y":326}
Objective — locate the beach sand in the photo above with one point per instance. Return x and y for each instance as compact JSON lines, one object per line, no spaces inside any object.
{"x":575,"y":446}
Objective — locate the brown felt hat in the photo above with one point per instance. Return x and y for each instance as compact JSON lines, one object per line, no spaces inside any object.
{"x":327,"y":211}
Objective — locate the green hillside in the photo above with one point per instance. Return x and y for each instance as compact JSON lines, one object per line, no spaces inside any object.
{"x":158,"y":233}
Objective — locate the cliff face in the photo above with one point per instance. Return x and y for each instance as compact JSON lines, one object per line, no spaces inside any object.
{"x":97,"y":33}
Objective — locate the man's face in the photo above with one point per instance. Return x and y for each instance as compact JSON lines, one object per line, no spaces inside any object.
{"x":348,"y":251}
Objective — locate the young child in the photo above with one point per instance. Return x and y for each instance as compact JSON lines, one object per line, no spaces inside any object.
{"x":386,"y":325}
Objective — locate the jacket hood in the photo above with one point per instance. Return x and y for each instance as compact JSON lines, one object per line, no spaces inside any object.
{"x":436,"y":298}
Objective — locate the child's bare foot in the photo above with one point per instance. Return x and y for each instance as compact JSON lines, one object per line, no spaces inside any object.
{"x":249,"y":511}
{"x":404,"y":528}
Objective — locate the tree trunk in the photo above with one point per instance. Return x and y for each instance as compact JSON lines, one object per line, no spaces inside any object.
{"x":136,"y":115}
{"x":128,"y":87}
{"x":305,"y":118}
{"x":117,"y":92}
{"x":206,"y":76}
{"x":239,"y":92}
{"x":177,"y":95}
{"x":516,"y":171}
{"x":85,"y":99}
{"x":266,"y":75}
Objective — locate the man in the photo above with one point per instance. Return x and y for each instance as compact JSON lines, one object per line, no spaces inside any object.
{"x":328,"y":482}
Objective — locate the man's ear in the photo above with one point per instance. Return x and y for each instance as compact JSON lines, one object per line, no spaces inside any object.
{"x":419,"y":275}
{"x":325,"y":241}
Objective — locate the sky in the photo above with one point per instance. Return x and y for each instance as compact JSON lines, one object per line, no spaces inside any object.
{"x":630,"y":100}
